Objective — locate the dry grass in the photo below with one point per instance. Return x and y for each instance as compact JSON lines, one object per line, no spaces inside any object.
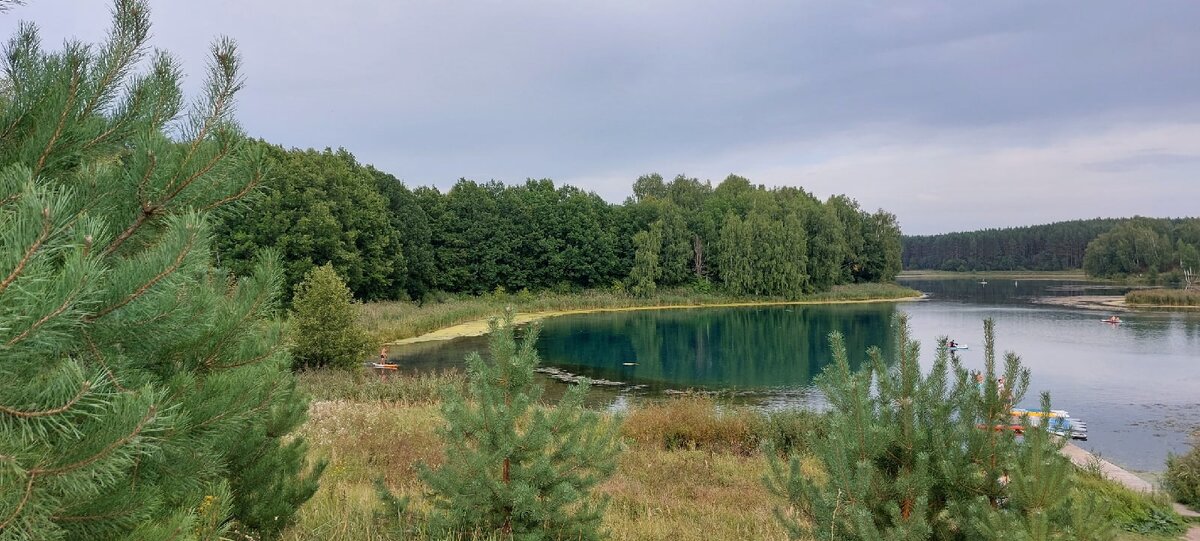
{"x":391,"y":321}
{"x":366,"y":386}
{"x":703,"y":492}
{"x":692,"y":470}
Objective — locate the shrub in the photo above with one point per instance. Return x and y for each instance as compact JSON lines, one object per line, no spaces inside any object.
{"x":907,"y":459}
{"x":512,"y":467}
{"x":1182,"y":478}
{"x":325,"y":325}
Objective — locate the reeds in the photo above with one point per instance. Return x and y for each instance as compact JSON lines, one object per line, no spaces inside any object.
{"x":1164,"y":297}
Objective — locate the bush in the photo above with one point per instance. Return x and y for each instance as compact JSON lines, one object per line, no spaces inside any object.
{"x":906,"y":457}
{"x":1182,"y":478}
{"x":325,"y":325}
{"x":512,"y":467}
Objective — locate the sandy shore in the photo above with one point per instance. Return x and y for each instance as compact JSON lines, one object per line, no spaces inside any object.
{"x":479,"y":327}
{"x":1109,"y":303}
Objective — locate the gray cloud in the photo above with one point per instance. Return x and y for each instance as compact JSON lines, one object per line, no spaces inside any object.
{"x":884,"y":101}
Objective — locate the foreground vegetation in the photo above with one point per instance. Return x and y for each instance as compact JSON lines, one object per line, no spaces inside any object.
{"x":692,"y":468}
{"x":1164,"y":297}
{"x":144,"y":394}
{"x":390,"y":321}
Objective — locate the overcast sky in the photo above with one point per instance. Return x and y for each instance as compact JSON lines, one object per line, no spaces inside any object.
{"x":952,"y":115}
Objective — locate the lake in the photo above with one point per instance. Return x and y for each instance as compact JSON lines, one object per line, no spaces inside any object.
{"x":1137,"y":385}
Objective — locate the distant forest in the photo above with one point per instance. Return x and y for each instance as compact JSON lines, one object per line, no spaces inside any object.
{"x":392,"y":242}
{"x":1105,"y":247}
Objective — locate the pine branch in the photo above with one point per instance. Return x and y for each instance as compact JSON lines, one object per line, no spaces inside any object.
{"x":72,"y":95}
{"x":47,"y":227}
{"x":58,"y":470}
{"x":183,"y":253}
{"x":26,"y":414}
{"x":70,"y":300}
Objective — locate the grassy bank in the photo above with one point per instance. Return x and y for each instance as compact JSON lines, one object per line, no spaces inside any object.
{"x":692,"y":468}
{"x":391,"y":321}
{"x":1163,"y":297}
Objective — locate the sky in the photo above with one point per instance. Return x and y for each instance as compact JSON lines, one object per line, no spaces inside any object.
{"x":953,"y":116}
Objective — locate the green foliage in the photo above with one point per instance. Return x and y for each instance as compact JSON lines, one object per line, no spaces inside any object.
{"x":1136,"y":512}
{"x":325,"y":325}
{"x":514,"y":467}
{"x":323,"y":207}
{"x":913,"y":456}
{"x":1182,"y":478}
{"x":646,"y":269}
{"x":143,"y":394}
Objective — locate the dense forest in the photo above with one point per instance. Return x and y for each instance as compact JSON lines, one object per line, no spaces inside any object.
{"x":1049,"y":247}
{"x":1153,"y":247}
{"x":393,"y":242}
{"x":1104,"y":247}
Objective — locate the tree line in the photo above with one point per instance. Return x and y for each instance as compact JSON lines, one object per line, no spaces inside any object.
{"x":1049,"y":247}
{"x":393,"y":242}
{"x":1146,"y":246}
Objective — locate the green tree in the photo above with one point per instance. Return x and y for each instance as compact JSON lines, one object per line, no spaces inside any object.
{"x":143,"y":394}
{"x":677,"y":258}
{"x":325,"y":325}
{"x":912,"y":456}
{"x":512,"y":466}
{"x":320,"y":207}
{"x":412,"y":223}
{"x":646,"y":269}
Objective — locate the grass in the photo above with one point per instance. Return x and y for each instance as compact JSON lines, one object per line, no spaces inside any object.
{"x":694,"y":492}
{"x":396,"y":320}
{"x":692,"y":469}
{"x":363,"y":386}
{"x":1138,"y":515}
{"x":1163,"y":297}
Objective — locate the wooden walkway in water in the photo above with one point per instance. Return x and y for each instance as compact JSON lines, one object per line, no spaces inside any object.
{"x":1121,"y":475}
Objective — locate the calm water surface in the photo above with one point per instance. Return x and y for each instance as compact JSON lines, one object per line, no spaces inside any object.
{"x":1136,"y":384}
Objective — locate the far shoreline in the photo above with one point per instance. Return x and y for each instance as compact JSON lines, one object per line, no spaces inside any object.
{"x":1020,"y":275}
{"x":479,"y":327}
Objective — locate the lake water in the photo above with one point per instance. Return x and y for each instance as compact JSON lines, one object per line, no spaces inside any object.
{"x":1136,"y":384}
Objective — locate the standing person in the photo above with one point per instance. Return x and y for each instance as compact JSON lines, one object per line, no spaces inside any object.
{"x":383,"y":355}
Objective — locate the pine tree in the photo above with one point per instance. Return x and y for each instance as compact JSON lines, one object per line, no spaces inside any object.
{"x":912,"y":456}
{"x":325,"y":322}
{"x":513,"y":466}
{"x":143,"y":394}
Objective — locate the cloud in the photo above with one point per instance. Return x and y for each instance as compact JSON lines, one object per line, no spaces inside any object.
{"x":903,"y":105}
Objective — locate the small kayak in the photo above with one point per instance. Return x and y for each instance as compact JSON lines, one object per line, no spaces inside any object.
{"x":960,"y":346}
{"x":1116,"y":321}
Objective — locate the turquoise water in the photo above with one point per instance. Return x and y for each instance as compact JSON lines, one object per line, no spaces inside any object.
{"x":1135,"y":384}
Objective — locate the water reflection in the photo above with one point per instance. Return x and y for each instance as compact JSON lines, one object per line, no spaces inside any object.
{"x":725,"y":348}
{"x":1135,"y":383}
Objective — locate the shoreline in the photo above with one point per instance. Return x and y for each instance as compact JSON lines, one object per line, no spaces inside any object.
{"x":479,"y":327}
{"x":1019,"y":275}
{"x":1109,"y":303}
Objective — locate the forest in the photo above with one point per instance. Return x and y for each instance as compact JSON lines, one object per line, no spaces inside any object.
{"x":1049,"y":247}
{"x":393,"y":242}
{"x":1102,"y":247}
